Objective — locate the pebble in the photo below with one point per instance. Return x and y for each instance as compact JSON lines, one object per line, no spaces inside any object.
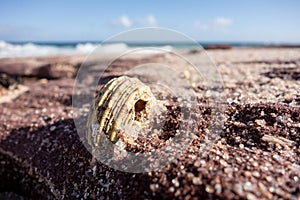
{"x":94,"y":169}
{"x":197,"y":163}
{"x":251,"y":196}
{"x":256,"y":174}
{"x":228,"y":170}
{"x":197,"y":181}
{"x":52,"y":128}
{"x":209,"y":189}
{"x":154,"y":187}
{"x":223,"y":162}
{"x":260,"y":122}
{"x":255,"y":164}
{"x":202,"y":162}
{"x":226,"y":156}
{"x":247,"y":174}
{"x":218,"y":188}
{"x":279,"y":119}
{"x":269,"y":178}
{"x":177,"y":193}
{"x":278,"y":158}
{"x":171,"y":189}
{"x":238,"y":189}
{"x":175,"y":182}
{"x":248,"y":186}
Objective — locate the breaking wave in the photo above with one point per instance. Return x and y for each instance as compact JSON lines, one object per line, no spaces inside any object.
{"x":36,"y":49}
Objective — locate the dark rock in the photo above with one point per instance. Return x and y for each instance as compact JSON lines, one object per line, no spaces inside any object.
{"x":286,"y":73}
{"x":8,"y":80}
{"x":217,"y":46}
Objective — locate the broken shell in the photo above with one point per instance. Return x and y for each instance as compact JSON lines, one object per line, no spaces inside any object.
{"x":121,"y":110}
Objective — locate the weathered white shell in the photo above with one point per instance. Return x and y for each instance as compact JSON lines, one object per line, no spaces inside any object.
{"x":121,"y":108}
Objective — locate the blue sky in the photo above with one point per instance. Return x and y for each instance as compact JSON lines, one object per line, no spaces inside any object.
{"x":231,"y":20}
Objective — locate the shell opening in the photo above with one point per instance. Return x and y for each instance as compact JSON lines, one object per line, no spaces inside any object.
{"x":140,"y":109}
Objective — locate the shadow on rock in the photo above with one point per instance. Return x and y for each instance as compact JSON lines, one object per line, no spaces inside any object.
{"x":50,"y":162}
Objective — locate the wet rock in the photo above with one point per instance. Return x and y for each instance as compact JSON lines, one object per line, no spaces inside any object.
{"x":219,"y":46}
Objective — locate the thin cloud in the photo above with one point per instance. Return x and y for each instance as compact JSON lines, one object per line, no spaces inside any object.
{"x":151,"y":20}
{"x":217,"y":24}
{"x":222,"y":21}
{"x":125,"y":21}
{"x":200,"y":26}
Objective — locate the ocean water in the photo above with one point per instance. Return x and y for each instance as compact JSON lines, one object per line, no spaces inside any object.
{"x":23,"y":49}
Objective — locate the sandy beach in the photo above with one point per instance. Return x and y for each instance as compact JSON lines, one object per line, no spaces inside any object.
{"x":255,"y":155}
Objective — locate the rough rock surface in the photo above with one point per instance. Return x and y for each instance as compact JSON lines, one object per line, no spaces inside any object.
{"x":255,"y":156}
{"x":42,"y":67}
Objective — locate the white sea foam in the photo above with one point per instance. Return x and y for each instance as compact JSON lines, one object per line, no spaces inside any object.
{"x":85,"y":48}
{"x":112,"y":48}
{"x":119,"y":48}
{"x":31,"y":49}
